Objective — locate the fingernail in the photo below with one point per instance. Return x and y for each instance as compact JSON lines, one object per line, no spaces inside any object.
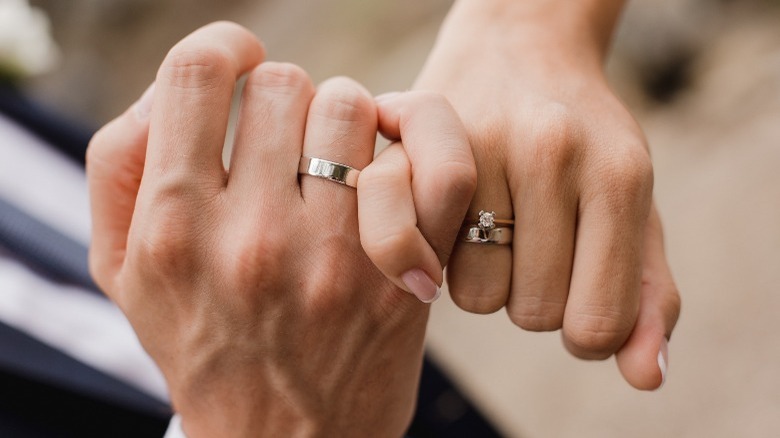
{"x":144,"y":105}
{"x":387,"y":97}
{"x":421,"y":285}
{"x":663,"y":360}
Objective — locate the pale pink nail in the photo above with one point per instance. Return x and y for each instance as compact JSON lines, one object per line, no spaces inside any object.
{"x":421,"y":285}
{"x":144,"y":105}
{"x":663,"y":359}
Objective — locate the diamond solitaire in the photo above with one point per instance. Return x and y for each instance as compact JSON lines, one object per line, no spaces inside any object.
{"x":487,"y":220}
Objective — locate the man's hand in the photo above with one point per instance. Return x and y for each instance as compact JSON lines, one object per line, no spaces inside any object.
{"x":558,"y":152}
{"x":249,"y":286}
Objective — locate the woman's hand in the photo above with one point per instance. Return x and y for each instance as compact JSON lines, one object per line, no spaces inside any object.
{"x":557,"y":152}
{"x":248,"y":286}
{"x":413,"y":197}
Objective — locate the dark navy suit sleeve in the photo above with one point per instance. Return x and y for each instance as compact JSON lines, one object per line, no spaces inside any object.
{"x":69,"y":136}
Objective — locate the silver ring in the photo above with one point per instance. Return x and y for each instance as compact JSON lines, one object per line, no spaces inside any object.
{"x":330,"y":170}
{"x":495,"y":236}
{"x":485,"y":230}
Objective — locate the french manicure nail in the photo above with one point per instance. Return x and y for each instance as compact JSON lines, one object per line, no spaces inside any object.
{"x":663,"y":359}
{"x":144,"y":105}
{"x":421,"y":285}
{"x":387,"y":97}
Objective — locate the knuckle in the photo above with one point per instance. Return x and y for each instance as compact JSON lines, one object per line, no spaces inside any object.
{"x":254,"y":260}
{"x":627,"y":174}
{"x":331,"y":296}
{"x":672,"y":306}
{"x":557,"y":124}
{"x":176,"y":188}
{"x":475,"y":298}
{"x":116,"y":157}
{"x":196,"y":68}
{"x":457,"y":181}
{"x":551,"y":160}
{"x":278,"y":77}
{"x":225,"y":26}
{"x":480,"y":304}
{"x":172,"y":229}
{"x":343,"y":99}
{"x":163,"y":248}
{"x":180,"y":187}
{"x":596,"y":336}
{"x":536,"y":314}
{"x":325,"y":290}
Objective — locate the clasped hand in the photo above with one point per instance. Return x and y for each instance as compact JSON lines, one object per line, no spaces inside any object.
{"x":288,"y":304}
{"x":249,"y":286}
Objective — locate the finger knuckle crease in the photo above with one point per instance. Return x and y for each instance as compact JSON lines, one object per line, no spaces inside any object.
{"x":343,"y":100}
{"x":598,"y":333}
{"x":481,"y":302}
{"x":536,"y":314}
{"x":196,"y":68}
{"x":281,"y":78}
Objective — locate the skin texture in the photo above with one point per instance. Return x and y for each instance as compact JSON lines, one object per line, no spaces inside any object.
{"x":557,"y":151}
{"x":249,"y":287}
{"x":407,"y":190}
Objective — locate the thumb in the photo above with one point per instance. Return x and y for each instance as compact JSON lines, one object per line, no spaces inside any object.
{"x":644,"y":358}
{"x":115,"y":163}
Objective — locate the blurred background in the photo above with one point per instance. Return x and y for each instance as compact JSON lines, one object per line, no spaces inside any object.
{"x":702,"y":77}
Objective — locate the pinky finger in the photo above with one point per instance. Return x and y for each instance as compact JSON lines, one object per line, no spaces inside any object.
{"x":644,"y":358}
{"x":388,"y":226}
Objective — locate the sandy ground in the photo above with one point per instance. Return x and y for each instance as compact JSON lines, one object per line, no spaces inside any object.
{"x":716,"y":148}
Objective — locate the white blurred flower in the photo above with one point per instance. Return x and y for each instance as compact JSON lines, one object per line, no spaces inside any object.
{"x":26,"y":46}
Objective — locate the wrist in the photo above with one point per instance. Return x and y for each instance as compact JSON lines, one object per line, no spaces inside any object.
{"x":579,"y":29}
{"x":245,"y":409}
{"x":259,"y":423}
